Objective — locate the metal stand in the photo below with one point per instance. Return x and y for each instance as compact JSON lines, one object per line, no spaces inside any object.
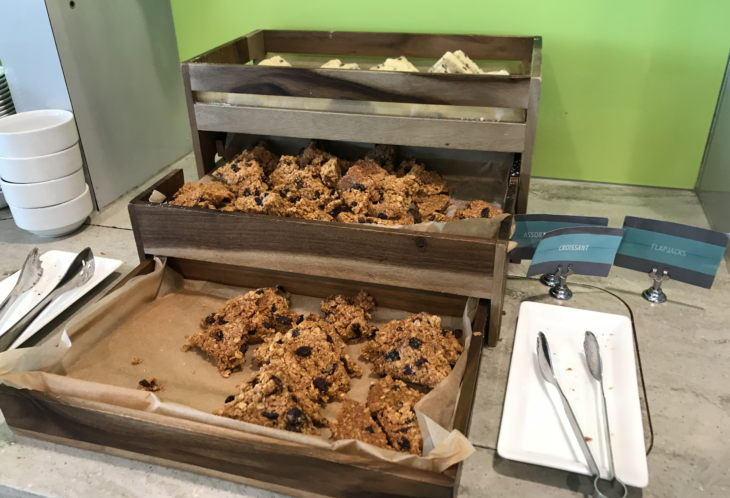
{"x":561,"y":291}
{"x":655,"y":294}
{"x":549,"y":280}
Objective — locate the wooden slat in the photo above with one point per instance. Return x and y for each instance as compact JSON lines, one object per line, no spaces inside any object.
{"x":432,"y":262}
{"x":501,"y":265}
{"x":168,"y":185}
{"x":465,"y":403}
{"x":203,"y":141}
{"x":530,"y":127}
{"x":228,"y":451}
{"x":239,"y":51}
{"x":417,"y":88}
{"x":412,"y":300}
{"x":426,"y":132}
{"x":396,"y":44}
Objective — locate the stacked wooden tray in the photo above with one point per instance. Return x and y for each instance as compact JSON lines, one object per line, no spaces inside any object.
{"x":467,"y":266}
{"x":405,"y":270}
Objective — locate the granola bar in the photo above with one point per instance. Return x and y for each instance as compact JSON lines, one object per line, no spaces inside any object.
{"x":391,"y":402}
{"x":243,"y":320}
{"x":245,"y":177}
{"x":389,"y":392}
{"x":355,"y":422}
{"x":314,"y":359}
{"x":477,"y":209}
{"x":206,"y":195}
{"x":349,"y":316}
{"x":271,"y":399}
{"x":401,"y":427}
{"x":414,"y":349}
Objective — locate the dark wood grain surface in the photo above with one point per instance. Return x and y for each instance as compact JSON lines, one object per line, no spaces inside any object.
{"x":417,"y":88}
{"x":424,"y":132}
{"x":344,"y":43}
{"x":433,"y":262}
{"x":227,"y":451}
{"x":413,"y":300}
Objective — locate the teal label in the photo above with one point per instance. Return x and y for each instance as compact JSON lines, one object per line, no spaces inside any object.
{"x":531,"y":228}
{"x":589,"y":250}
{"x":690,"y":254}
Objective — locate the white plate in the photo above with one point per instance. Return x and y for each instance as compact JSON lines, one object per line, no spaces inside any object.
{"x":535,"y":428}
{"x":54,"y":264}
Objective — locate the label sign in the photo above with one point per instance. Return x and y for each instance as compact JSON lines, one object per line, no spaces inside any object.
{"x":530,"y":229}
{"x":692,"y":255}
{"x":591,"y":251}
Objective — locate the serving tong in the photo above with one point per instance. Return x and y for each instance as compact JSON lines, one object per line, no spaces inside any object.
{"x":595,"y":366}
{"x":30,"y":274}
{"x":78,"y":273}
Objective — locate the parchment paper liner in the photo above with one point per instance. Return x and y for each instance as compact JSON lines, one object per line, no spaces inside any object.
{"x":149,"y":318}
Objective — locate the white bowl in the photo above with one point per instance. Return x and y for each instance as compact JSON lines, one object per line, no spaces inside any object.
{"x":55,"y":221}
{"x":37,"y":133}
{"x":41,"y":168}
{"x":44,"y":194}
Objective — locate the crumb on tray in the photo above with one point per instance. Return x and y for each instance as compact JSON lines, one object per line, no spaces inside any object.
{"x":136,"y":361}
{"x":150,"y":385}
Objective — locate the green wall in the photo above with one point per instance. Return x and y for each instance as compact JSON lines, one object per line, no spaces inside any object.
{"x":629,"y":87}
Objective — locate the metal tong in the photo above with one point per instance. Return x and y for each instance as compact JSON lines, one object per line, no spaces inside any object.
{"x":30,"y":274}
{"x":546,"y":368}
{"x":78,"y":273}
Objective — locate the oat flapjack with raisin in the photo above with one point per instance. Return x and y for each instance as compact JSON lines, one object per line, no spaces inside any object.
{"x":414,"y":349}
{"x":354,"y":421}
{"x":243,"y":320}
{"x":271,"y":399}
{"x":477,"y":209}
{"x":392,"y":403}
{"x":314,"y":357}
{"x":350,"y":316}
{"x":206,"y":195}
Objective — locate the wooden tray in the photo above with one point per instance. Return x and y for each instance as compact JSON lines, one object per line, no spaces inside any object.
{"x":226,"y":70}
{"x":457,"y":265}
{"x":261,"y":461}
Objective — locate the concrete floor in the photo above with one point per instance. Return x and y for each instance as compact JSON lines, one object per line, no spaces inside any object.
{"x":684,"y":346}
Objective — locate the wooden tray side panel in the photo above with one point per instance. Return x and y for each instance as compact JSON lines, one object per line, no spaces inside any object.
{"x":530,"y":126}
{"x":230,"y":452}
{"x":424,"y":132}
{"x":412,"y":300}
{"x":456,"y":265}
{"x":416,"y":88}
{"x":517,"y":48}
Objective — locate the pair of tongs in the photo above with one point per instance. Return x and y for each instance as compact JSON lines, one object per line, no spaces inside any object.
{"x":595,"y":365}
{"x":30,"y":274}
{"x":78,"y":273}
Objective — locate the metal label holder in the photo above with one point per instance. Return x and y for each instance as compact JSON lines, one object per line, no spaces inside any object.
{"x":561,"y":290}
{"x":655,"y":294}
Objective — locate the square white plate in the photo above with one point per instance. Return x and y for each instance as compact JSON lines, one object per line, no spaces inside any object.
{"x":54,"y":265}
{"x":534,"y":426}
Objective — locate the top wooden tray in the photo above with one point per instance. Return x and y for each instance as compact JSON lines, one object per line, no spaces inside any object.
{"x":225,"y":70}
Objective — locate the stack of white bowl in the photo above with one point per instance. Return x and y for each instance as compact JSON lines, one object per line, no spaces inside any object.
{"x":41,"y":172}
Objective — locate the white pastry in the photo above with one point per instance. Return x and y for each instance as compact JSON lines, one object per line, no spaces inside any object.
{"x":274,"y":61}
{"x":338,"y":64}
{"x":400,"y":64}
{"x":455,"y":62}
{"x":468,"y":62}
{"x":501,"y":72}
